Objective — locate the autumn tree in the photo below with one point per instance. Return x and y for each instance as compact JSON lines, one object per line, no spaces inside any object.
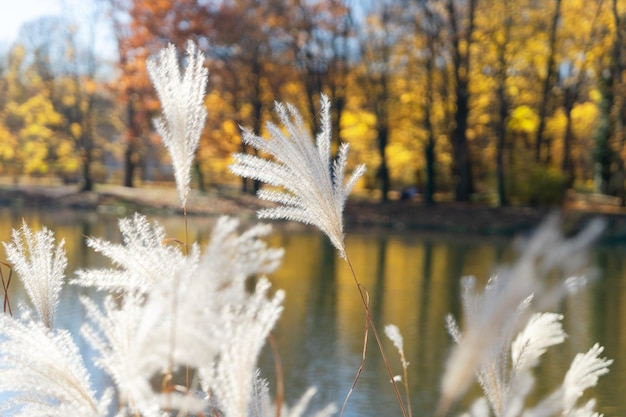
{"x":429,"y":23}
{"x":380,"y":36}
{"x":66,"y":59}
{"x":141,"y":28}
{"x":547,"y":84}
{"x":240,"y":39}
{"x":484,"y":96}
{"x":461,"y":19}
{"x":29,"y":141}
{"x":321,"y":34}
{"x":499,"y":34}
{"x":585,"y":35}
{"x":612,"y":142}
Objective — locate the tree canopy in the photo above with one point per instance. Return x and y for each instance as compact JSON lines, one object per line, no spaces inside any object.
{"x":514,"y":102}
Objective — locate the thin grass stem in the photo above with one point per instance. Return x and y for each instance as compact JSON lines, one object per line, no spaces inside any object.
{"x":363,"y":293}
{"x":186,"y":230}
{"x":361,"y":367}
{"x":405,"y":372}
{"x":5,"y":287}
{"x":278,"y":366}
{"x":187,"y":377}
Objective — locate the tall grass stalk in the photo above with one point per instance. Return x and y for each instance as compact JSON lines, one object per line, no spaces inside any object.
{"x":6,"y":305}
{"x":180,"y":132}
{"x":309,"y":186}
{"x":393,"y":333}
{"x":370,"y":323}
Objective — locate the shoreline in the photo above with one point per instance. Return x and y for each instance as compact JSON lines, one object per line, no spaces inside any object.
{"x":359,"y":215}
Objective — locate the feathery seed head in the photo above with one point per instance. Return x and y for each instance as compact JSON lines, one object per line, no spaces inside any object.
{"x":493,"y":316}
{"x":40,"y":264}
{"x":393,"y":333}
{"x":43,"y":374}
{"x":184,"y":114}
{"x":313,"y":187}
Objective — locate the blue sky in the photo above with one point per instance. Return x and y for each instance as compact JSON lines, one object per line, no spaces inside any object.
{"x":13,"y":16}
{"x":20,"y":11}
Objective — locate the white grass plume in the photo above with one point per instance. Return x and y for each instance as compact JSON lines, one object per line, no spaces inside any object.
{"x":131,"y":337}
{"x":40,"y":264}
{"x":232,"y":257}
{"x":492,"y":316}
{"x":583,"y":373}
{"x":393,"y":333}
{"x":313,"y":191}
{"x":542,"y":331}
{"x":43,"y":373}
{"x":132,"y":333}
{"x":300,"y":407}
{"x":143,"y":258}
{"x":231,"y":378}
{"x":184,"y":113}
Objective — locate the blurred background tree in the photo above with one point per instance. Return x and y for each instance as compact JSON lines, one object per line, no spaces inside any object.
{"x":507,"y":102}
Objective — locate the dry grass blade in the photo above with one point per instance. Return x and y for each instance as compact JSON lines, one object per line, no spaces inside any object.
{"x":393,"y":333}
{"x":278,"y":366}
{"x":365,"y":300}
{"x":362,"y":365}
{"x":5,"y":287}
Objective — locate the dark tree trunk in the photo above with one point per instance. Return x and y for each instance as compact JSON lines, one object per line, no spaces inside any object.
{"x":383,"y":169}
{"x":548,"y":82}
{"x":617,"y":112}
{"x":130,"y":165}
{"x":429,"y":151}
{"x":87,"y":177}
{"x":382,"y":129}
{"x":462,"y":165}
{"x":429,"y":192}
{"x":462,"y":161}
{"x":502,"y":195}
{"x":567,"y":165}
{"x":130,"y":154}
{"x":199,"y":176}
{"x":503,"y":110}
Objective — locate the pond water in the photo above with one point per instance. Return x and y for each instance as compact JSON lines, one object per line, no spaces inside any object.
{"x":413,"y":281}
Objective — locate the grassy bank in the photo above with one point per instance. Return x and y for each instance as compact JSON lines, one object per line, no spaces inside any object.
{"x":477,"y":219}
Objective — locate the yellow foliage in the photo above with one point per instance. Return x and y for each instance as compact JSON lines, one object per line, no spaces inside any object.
{"x":76,"y":130}
{"x":401,"y":163}
{"x":68,"y":100}
{"x":357,"y":127}
{"x":523,"y":119}
{"x":555,"y":126}
{"x":584,"y":120}
{"x":35,"y":154}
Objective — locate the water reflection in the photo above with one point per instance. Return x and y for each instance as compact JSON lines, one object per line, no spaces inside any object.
{"x":413,"y":282}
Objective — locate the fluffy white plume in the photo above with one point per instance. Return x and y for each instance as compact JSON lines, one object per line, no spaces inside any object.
{"x":219,"y":326}
{"x":582,"y":374}
{"x":184,"y":113}
{"x":393,"y":333}
{"x":133,"y":345}
{"x":144,"y":258}
{"x":300,"y":407}
{"x":492,"y":317}
{"x":41,"y":267}
{"x":542,"y":331}
{"x":43,"y":374}
{"x":313,"y":192}
{"x":231,"y":378}
{"x":479,"y":408}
